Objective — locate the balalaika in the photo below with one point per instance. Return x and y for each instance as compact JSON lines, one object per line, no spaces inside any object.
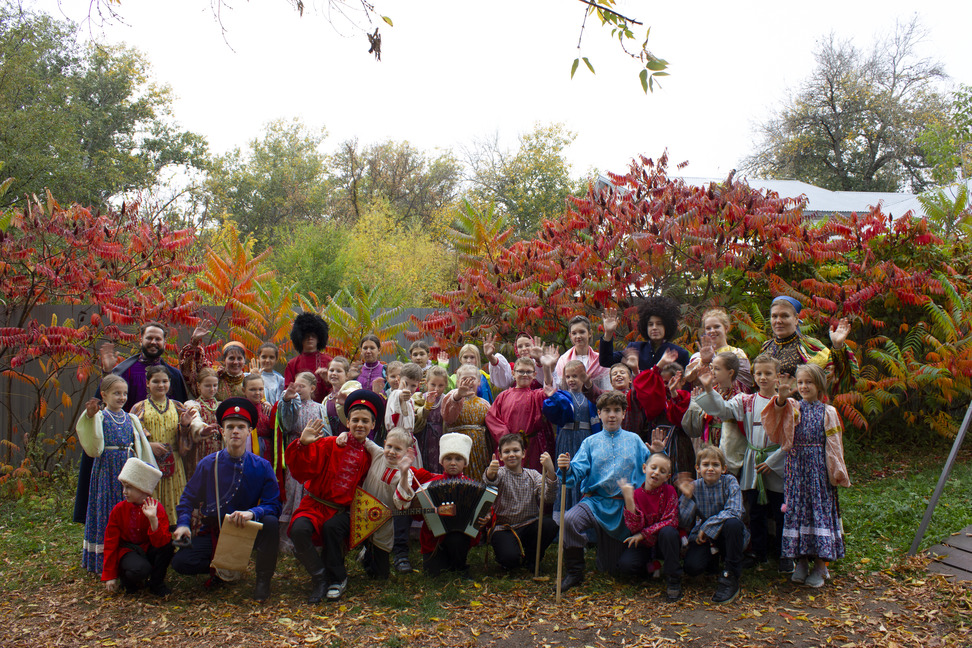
{"x":368,"y":514}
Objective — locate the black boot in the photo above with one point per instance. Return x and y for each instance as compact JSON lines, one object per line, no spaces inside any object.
{"x":673,"y":588}
{"x":311,"y":560}
{"x":261,"y":590}
{"x":727,"y":588}
{"x":574,"y":566}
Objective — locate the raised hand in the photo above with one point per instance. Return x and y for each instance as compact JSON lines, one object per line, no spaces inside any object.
{"x":267,"y":407}
{"x":659,"y":439}
{"x":550,"y":356}
{"x":493,"y":469}
{"x":321,"y":373}
{"x":786,"y":388}
{"x":355,"y":370}
{"x":692,"y":370}
{"x":489,"y":346}
{"x":467,"y":386}
{"x":91,"y":407}
{"x":443,"y":357}
{"x":627,"y":489}
{"x":254,"y":366}
{"x":706,"y":352}
{"x":838,"y":334}
{"x":150,"y":508}
{"x":186,"y":416}
{"x":404,"y":396}
{"x":706,"y":380}
{"x":549,"y":390}
{"x":536,"y":351}
{"x":686,"y":487}
{"x":198,"y":334}
{"x":675,"y":383}
{"x":670,"y":356}
{"x":378,"y":385}
{"x":107,"y":356}
{"x":312,"y":432}
{"x":405,"y":463}
{"x":609,"y":320}
{"x":291,"y":392}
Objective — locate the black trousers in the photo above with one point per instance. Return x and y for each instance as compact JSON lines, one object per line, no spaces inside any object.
{"x":195,"y":558}
{"x":450,"y":555}
{"x":136,"y":567}
{"x":335,"y":533}
{"x":762,"y":543}
{"x":699,"y":557}
{"x":403,"y":526}
{"x":634,"y":561}
{"x":376,"y":563}
{"x":507,"y":549}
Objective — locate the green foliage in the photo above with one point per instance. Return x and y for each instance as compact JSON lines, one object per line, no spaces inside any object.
{"x":529,"y":184}
{"x":314,"y":257}
{"x":947,"y":139}
{"x":85,"y":122}
{"x":854,"y":123}
{"x":950,"y":209}
{"x":276,"y":185}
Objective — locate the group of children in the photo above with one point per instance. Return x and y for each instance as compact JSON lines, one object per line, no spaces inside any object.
{"x":661,"y":480}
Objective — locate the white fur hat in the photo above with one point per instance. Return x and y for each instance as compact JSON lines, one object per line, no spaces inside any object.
{"x":139,"y":474}
{"x":455,"y":443}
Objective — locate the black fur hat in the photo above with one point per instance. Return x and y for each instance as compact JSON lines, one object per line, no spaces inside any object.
{"x":306,"y":324}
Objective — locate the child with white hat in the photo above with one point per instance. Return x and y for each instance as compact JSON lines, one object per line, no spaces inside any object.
{"x":138,"y":545}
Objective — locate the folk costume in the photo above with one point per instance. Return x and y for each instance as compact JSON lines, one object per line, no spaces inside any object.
{"x":309,"y":324}
{"x":110,"y":439}
{"x":744,"y":377}
{"x":292,"y":417}
{"x":203,"y":443}
{"x":337,"y":418}
{"x":518,"y":511}
{"x":468,"y":416}
{"x":717,"y":511}
{"x":656,"y":519}
{"x":595,"y":469}
{"x":575,"y":416}
{"x":598,"y":374}
{"x":132,"y":369}
{"x":192,"y":359}
{"x":520,"y":410}
{"x":648,"y":355}
{"x":763,"y":493}
{"x":798,"y":349}
{"x":371,"y":371}
{"x":811,"y":435}
{"x":499,"y":374}
{"x":134,"y":552}
{"x":428,"y":431}
{"x":273,"y":386}
{"x":449,"y":551}
{"x":221,"y":485}
{"x":161,"y":425}
{"x":650,"y":397}
{"x":330,"y":474}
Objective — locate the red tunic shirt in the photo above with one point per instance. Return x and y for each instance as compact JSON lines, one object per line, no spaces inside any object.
{"x":309,"y":362}
{"x":520,"y":410}
{"x":127,"y":523}
{"x":328,"y":472}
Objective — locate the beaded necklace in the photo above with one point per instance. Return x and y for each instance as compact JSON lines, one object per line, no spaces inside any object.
{"x":111,"y":415}
{"x":160,"y":410}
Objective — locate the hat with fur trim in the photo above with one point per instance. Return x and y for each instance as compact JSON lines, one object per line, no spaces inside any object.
{"x":455,"y":443}
{"x":308,"y":324}
{"x":240,"y":408}
{"x":139,"y":474}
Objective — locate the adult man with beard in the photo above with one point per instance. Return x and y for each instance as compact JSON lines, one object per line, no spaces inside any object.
{"x":132,"y":369}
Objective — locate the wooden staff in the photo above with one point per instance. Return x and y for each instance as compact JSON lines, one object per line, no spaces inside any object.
{"x":543,"y":493}
{"x":560,"y":541}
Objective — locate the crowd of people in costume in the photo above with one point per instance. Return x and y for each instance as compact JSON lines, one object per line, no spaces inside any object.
{"x":663,"y":463}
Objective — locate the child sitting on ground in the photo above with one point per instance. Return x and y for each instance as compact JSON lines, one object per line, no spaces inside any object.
{"x":449,"y":551}
{"x":138,"y":545}
{"x":711,"y":507}
{"x":651,"y":515}
{"x":761,"y":478}
{"x":602,"y":460}
{"x":518,"y":507}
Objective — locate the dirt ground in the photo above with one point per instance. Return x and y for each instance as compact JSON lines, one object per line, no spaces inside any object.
{"x":902,"y":607}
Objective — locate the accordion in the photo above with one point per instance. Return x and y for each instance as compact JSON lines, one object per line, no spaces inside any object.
{"x":472,"y":500}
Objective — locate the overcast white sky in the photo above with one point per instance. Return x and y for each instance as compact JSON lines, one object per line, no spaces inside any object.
{"x":453,"y":71}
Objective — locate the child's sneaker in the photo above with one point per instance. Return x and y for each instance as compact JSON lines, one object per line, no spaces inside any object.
{"x":800,"y":572}
{"x":673,"y":590}
{"x":815,"y":579}
{"x":336,"y":590}
{"x":727,"y":588}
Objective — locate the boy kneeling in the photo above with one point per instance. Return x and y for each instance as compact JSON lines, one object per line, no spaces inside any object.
{"x":602,"y":460}
{"x":712,"y":508}
{"x":518,"y":507}
{"x":138,"y":546}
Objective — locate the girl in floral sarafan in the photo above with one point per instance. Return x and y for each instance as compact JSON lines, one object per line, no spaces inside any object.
{"x":810,"y":432}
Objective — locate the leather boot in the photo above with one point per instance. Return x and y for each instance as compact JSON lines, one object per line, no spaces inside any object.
{"x":261,"y":590}
{"x":574,"y":566}
{"x":311,"y":560}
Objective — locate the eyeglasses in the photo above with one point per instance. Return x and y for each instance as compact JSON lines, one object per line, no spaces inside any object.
{"x":524,"y":372}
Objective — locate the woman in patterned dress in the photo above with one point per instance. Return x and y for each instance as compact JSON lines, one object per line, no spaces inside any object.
{"x":810,"y":433}
{"x":192,"y":360}
{"x":465,"y":412}
{"x":110,"y":436}
{"x":166,"y":423}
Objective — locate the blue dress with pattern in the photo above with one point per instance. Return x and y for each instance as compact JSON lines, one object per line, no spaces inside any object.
{"x":811,"y":524}
{"x":105,"y":490}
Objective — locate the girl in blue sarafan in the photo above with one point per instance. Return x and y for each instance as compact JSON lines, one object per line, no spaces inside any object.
{"x":572,"y":411}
